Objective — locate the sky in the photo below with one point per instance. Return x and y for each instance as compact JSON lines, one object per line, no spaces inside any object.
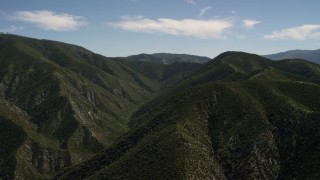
{"x":200,"y":27}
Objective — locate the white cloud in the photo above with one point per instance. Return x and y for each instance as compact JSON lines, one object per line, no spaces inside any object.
{"x":203,"y":11}
{"x":308,"y":31}
{"x":239,"y":35}
{"x":315,"y":35}
{"x":250,"y":23}
{"x":49,"y":20}
{"x":205,"y":29}
{"x":191,"y":2}
{"x":11,"y":29}
{"x":2,"y":13}
{"x":234,"y":12}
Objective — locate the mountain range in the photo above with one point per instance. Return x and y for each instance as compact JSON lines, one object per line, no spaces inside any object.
{"x":167,"y":58}
{"x":68,"y":113}
{"x":309,"y":55}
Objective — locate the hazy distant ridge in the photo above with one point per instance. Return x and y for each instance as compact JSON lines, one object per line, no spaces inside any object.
{"x":167,"y":58}
{"x":309,"y":55}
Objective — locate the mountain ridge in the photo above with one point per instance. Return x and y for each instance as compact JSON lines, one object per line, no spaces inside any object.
{"x":168,"y":58}
{"x":309,"y":55}
{"x":79,"y":115}
{"x":71,"y":96}
{"x":70,"y":102}
{"x":212,"y":128}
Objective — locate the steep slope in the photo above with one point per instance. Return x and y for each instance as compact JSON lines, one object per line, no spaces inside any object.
{"x":309,"y":55}
{"x":166,"y":58}
{"x":239,"y":66}
{"x":165,"y":74}
{"x":66,"y":103}
{"x":262,"y":122}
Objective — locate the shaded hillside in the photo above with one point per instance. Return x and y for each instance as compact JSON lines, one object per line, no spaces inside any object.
{"x":66,"y":103}
{"x":309,"y":55}
{"x":165,"y":74}
{"x":239,"y":117}
{"x":239,"y":66}
{"x":64,"y":114}
{"x":166,"y":58}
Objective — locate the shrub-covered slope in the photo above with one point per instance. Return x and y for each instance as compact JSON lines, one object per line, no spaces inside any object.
{"x":256,"y":119}
{"x":165,"y":74}
{"x":62,"y":102}
{"x":64,"y":113}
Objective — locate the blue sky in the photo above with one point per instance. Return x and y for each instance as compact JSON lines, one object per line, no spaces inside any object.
{"x":200,"y":27}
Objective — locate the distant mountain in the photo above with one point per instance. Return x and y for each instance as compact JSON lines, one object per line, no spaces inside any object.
{"x":240,"y":116}
{"x":166,"y":58}
{"x":309,"y":55}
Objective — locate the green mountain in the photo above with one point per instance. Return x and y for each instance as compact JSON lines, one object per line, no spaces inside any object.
{"x":238,"y":66}
{"x":68,"y":113}
{"x":309,"y":55}
{"x":167,"y":58}
{"x":165,"y":74}
{"x":240,"y":116}
{"x":61,"y":104}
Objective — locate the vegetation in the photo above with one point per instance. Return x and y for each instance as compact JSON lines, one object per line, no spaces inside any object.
{"x":74,"y":103}
{"x":256,"y":120}
{"x":166,"y":58}
{"x":67,"y":113}
{"x":12,"y":137}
